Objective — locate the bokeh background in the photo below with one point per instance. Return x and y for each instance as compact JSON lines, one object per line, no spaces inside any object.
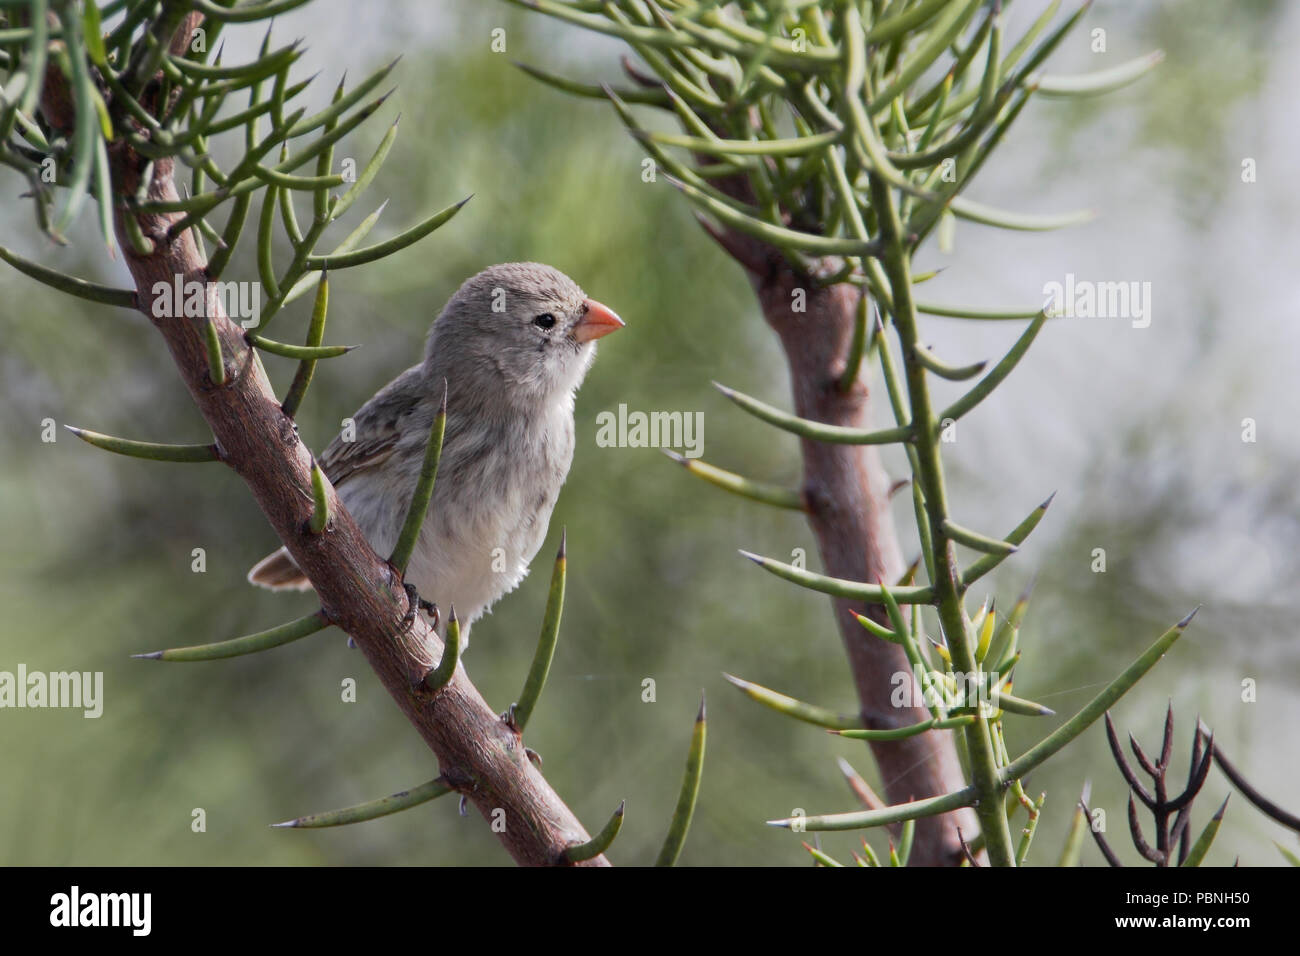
{"x":1138,"y":430}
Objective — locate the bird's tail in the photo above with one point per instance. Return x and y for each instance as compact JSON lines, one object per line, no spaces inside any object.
{"x":277,"y":572}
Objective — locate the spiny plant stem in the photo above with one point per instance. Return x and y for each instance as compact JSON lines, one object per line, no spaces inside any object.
{"x":929,"y":477}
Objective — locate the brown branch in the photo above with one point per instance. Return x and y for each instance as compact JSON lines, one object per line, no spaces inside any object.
{"x":478,"y":753}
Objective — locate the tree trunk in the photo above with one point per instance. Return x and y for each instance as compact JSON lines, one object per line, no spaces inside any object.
{"x":848,"y":508}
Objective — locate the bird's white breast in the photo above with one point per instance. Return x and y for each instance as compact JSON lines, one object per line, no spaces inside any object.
{"x":492,"y":503}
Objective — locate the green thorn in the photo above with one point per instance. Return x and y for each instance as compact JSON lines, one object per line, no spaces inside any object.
{"x":320,"y":512}
{"x":977,"y":541}
{"x":973,"y":211}
{"x":899,"y":24}
{"x":368,"y":172}
{"x":423,"y":494}
{"x":259,"y":69}
{"x":87,"y":133}
{"x":522,"y":711}
{"x":864,"y":819}
{"x":1196,"y":855}
{"x":806,"y":428}
{"x":265,"y":244}
{"x":822,"y":859}
{"x":39,"y":50}
{"x":795,"y":146}
{"x":953,"y":373}
{"x":90,"y":291}
{"x":650,"y":97}
{"x":347,"y":245}
{"x":730,"y":481}
{"x":151,"y":451}
{"x":686,"y":796}
{"x":1078,"y":828}
{"x":1017,"y":536}
{"x":770,"y":232}
{"x":1006,"y":637}
{"x":104,"y":193}
{"x":287,"y":181}
{"x":879,"y":630}
{"x":300,"y":352}
{"x":216,"y":361}
{"x":1080,"y":722}
{"x":905,"y":845}
{"x":246,"y":13}
{"x":932,"y":44}
{"x":985,"y":386}
{"x":959,"y":312}
{"x":307,"y":367}
{"x":600,"y":842}
{"x":983,"y":628}
{"x":912,"y":730}
{"x":869,"y":854}
{"x":381,"y":249}
{"x":438,"y":678}
{"x":340,"y":103}
{"x":808,"y":713}
{"x":372,"y":809}
{"x":234,"y":226}
{"x":1101,"y":81}
{"x":857,"y":345}
{"x":1017,"y":705}
{"x":249,"y":644}
{"x":911,"y":648}
{"x":1027,"y":834}
{"x":839,"y":587}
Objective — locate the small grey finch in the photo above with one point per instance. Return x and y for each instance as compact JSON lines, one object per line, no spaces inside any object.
{"x":513,"y":345}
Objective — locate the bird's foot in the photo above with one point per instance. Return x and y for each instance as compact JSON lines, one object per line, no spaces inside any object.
{"x":415,"y":604}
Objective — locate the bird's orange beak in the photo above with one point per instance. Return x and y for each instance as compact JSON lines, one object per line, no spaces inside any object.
{"x":599,"y":320}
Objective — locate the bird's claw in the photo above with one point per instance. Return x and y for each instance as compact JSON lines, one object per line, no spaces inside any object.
{"x":417,"y":603}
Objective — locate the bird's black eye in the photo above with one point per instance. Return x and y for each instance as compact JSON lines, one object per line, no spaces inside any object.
{"x":544,"y":321}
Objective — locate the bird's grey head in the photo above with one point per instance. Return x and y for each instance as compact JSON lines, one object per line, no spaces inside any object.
{"x":523,"y":327}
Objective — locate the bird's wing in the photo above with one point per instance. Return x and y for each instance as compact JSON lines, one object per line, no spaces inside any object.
{"x":378,"y":427}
